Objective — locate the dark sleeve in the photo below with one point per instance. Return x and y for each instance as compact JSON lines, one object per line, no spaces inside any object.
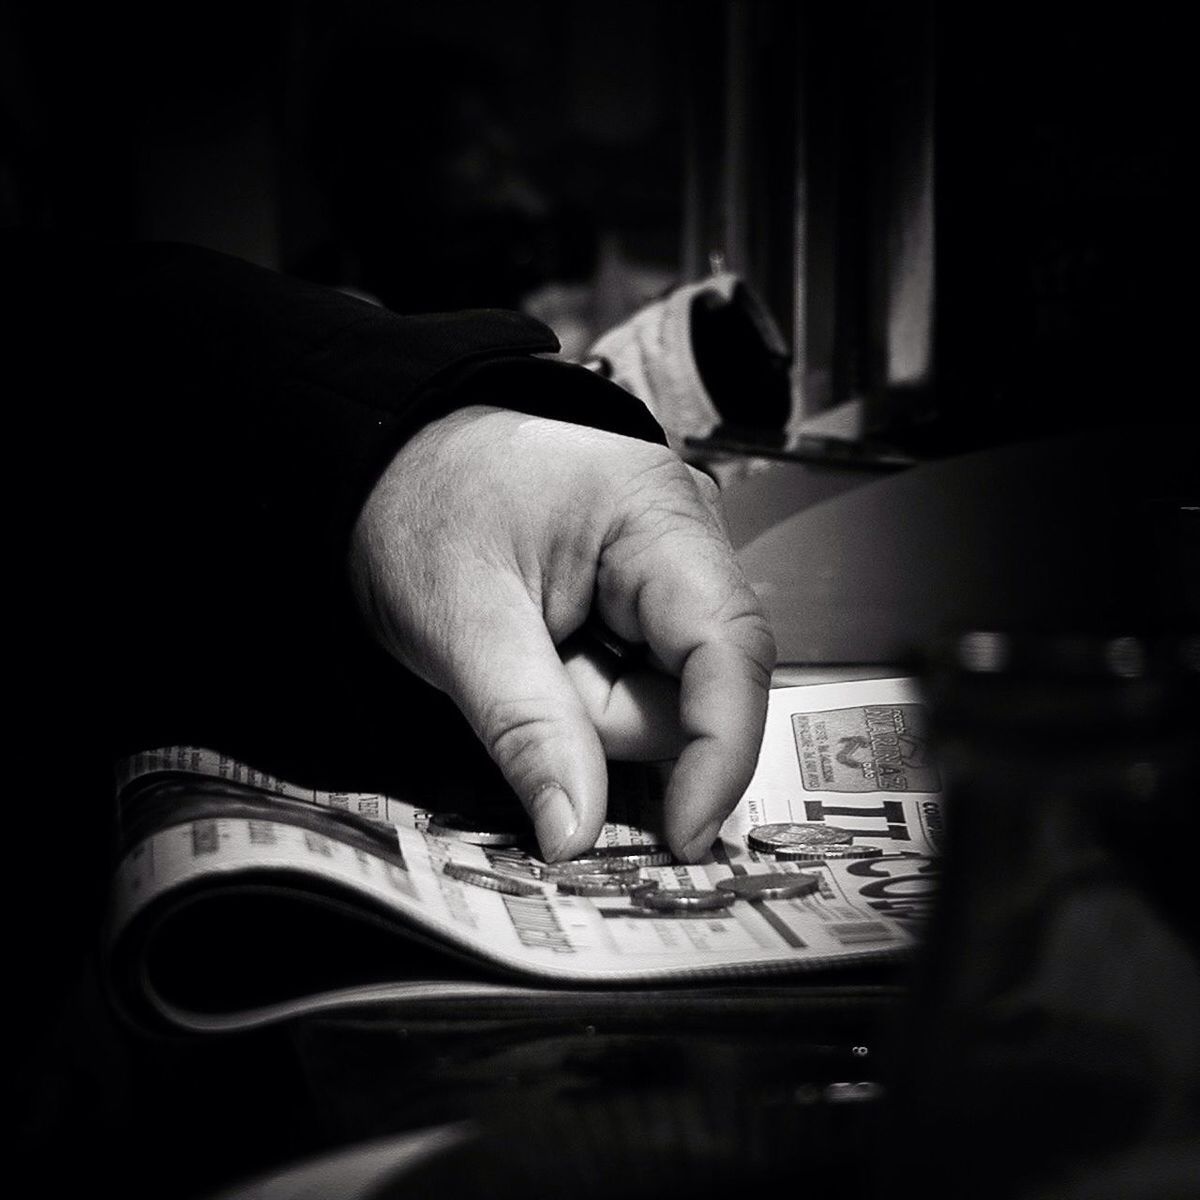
{"x":293,"y":396}
{"x":200,"y":435}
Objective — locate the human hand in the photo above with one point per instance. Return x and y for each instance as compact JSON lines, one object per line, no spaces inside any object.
{"x":491,"y":538}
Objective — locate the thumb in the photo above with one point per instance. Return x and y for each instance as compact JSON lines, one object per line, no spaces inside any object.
{"x":516,"y":694}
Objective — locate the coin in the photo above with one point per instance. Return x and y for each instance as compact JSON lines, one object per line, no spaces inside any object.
{"x":512,"y":868}
{"x":571,"y":869}
{"x":776,"y":886}
{"x":590,"y":866}
{"x":814,"y":853}
{"x":490,"y":880}
{"x":686,"y":900}
{"x":479,"y":831}
{"x":606,"y":885}
{"x":769,"y":838}
{"x":642,"y":856}
{"x":625,"y":879}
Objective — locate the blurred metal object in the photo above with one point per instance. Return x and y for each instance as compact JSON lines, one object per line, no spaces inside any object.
{"x":641,"y":856}
{"x":597,"y":884}
{"x":669,"y":900}
{"x":1056,"y":1017}
{"x":776,"y":886}
{"x":820,"y":854}
{"x":591,"y":865}
{"x":491,"y":881}
{"x":799,"y":835}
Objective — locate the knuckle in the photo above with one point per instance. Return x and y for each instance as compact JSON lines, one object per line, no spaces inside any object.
{"x":708,"y":487}
{"x":761,"y":651}
{"x":747,"y":626}
{"x":659,"y":471}
{"x":661,"y":501}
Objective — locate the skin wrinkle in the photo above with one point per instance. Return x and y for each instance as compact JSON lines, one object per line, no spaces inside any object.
{"x":664,"y":465}
{"x":437,"y":623}
{"x":710,"y":494}
{"x":471,"y":644}
{"x":571,"y":577}
{"x":565,"y":590}
{"x":763,"y":664}
{"x":529,"y":556}
{"x":565,"y":606}
{"x":738,"y":606}
{"x":659,"y":461}
{"x":627,"y":565}
{"x":650,"y":600}
{"x":499,"y":729}
{"x":662,"y":518}
{"x":444,"y":547}
{"x":674,"y":507}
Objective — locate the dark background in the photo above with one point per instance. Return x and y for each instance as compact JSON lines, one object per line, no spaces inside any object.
{"x":579,"y":157}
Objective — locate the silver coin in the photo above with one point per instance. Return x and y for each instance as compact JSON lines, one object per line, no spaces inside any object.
{"x":641,"y":856}
{"x":596,"y":878}
{"x":478,"y":877}
{"x":606,"y":885}
{"x":515,"y":862}
{"x":589,"y":866}
{"x":515,"y":869}
{"x":511,"y":856}
{"x":776,"y":886}
{"x":479,"y":831}
{"x":769,"y":838}
{"x":815,"y":854}
{"x":686,"y":900}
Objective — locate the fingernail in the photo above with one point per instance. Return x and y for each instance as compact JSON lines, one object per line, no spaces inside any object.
{"x":701,"y":844}
{"x":555,"y":820}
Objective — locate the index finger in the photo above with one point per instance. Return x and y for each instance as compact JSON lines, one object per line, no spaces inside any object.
{"x":723,"y":706}
{"x":684,"y":593}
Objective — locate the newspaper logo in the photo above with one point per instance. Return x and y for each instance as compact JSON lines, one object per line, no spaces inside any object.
{"x":872,"y":748}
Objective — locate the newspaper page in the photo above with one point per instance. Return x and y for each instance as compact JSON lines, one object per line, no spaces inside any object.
{"x":852,"y":755}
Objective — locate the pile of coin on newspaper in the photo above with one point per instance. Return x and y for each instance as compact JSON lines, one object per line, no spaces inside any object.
{"x":616,"y":871}
{"x":807,"y":841}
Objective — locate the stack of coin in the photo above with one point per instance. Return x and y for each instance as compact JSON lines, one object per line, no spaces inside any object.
{"x":596,"y":876}
{"x":598,"y":884}
{"x":642,"y":856}
{"x":806,"y":841}
{"x":552,"y":873}
{"x":590,"y":865}
{"x":809,"y":854}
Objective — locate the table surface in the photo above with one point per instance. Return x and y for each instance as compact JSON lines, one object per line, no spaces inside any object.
{"x":1052,"y":535}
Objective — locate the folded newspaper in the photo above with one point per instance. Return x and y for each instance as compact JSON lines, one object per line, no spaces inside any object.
{"x":243,"y":899}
